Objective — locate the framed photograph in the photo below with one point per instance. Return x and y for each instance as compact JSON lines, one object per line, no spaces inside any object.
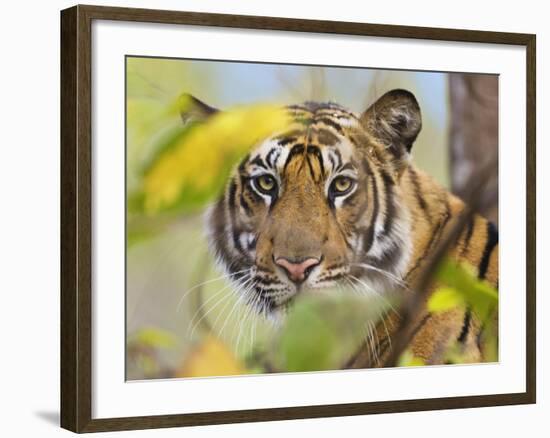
{"x":269,"y":218}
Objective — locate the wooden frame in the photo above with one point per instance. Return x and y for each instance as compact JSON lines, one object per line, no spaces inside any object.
{"x":76,"y":197}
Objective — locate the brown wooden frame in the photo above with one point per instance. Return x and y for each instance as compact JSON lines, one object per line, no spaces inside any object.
{"x":76,"y":226}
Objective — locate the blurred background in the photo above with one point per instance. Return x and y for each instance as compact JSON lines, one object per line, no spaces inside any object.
{"x":180,"y":314}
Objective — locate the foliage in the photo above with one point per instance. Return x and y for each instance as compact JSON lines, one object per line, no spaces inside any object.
{"x":144,"y":347}
{"x":210,"y":358}
{"x":175,"y":167}
{"x":319,"y":332}
{"x":193,"y":162}
{"x":462,"y":289}
{"x":407,"y":359}
{"x":187,"y":165}
{"x":323,"y":333}
{"x":155,"y":338}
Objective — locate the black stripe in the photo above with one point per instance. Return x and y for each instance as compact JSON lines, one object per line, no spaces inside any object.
{"x":259,"y":162}
{"x":338,"y":157}
{"x":366,"y":167}
{"x":369,"y":235}
{"x":465,"y":326}
{"x":418,"y":194}
{"x":296,"y":150}
{"x":358,"y":139}
{"x":390,"y":205}
{"x":492,"y":241}
{"x":332,"y":162}
{"x":267,"y":304}
{"x":256,"y":197}
{"x":299,"y":107}
{"x":232,"y":213}
{"x":348,"y":244}
{"x":468,"y":236}
{"x":286,"y":140}
{"x":252,"y":244}
{"x":317,"y":152}
{"x":237,"y":267}
{"x":335,"y":277}
{"x":310,"y":168}
{"x":368,"y":238}
{"x":469,"y":231}
{"x":242,"y":164}
{"x":387,"y":259}
{"x":218,"y":223}
{"x":232,"y":194}
{"x":245,"y":180}
{"x":245,"y":205}
{"x":420,"y":325}
{"x":267,"y":281}
{"x":314,"y":106}
{"x":331,"y":123}
{"x":440,"y":226}
{"x":270,"y":157}
{"x":345,"y":116}
{"x":433,"y":240}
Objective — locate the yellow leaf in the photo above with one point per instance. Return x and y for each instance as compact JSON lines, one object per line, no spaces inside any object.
{"x":198,"y":164}
{"x":211,"y":358}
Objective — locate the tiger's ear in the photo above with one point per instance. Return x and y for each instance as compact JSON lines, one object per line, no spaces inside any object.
{"x":193,"y":109}
{"x":395,"y":121}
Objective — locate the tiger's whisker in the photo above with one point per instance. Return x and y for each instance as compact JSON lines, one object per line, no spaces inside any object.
{"x":223,"y":299}
{"x":373,"y":291}
{"x":389,"y":275}
{"x":257,"y":300}
{"x":215,"y":295}
{"x":244,"y":317}
{"x":223,"y":277}
{"x":238,"y":291}
{"x":235,"y":306}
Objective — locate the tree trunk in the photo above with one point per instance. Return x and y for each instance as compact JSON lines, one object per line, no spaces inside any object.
{"x":474,"y":135}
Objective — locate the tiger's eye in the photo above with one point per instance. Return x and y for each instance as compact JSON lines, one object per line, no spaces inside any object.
{"x":265,"y":183}
{"x":342,"y":185}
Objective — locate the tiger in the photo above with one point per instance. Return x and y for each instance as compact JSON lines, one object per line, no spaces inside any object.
{"x":337,"y":196}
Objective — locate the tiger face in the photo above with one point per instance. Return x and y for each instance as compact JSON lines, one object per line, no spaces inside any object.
{"x":319,"y":206}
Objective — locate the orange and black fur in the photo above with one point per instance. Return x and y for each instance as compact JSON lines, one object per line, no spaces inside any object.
{"x":337,"y":200}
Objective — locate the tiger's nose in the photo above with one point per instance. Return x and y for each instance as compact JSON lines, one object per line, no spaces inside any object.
{"x":297,"y":271}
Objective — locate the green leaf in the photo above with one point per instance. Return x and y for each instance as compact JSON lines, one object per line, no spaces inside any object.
{"x":321,"y":333}
{"x":477,"y":294}
{"x":407,"y":359}
{"x":134,"y":237}
{"x":308,"y":342}
{"x":445,"y":298}
{"x":141,"y":228}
